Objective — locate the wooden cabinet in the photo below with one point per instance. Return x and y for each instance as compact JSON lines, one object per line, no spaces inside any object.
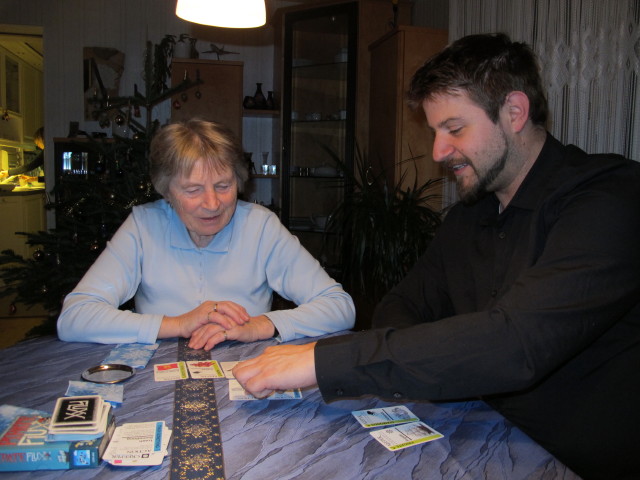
{"x":218,"y":98}
{"x":322,"y":68}
{"x":397,"y":133}
{"x":21,"y":212}
{"x":374,"y":18}
{"x":318,"y":117}
{"x":21,"y":93}
{"x":33,"y":101}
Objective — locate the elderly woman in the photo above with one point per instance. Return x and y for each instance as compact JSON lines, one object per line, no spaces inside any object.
{"x":200,"y":263}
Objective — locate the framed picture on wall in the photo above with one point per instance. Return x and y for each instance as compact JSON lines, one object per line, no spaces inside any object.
{"x":102,"y":70}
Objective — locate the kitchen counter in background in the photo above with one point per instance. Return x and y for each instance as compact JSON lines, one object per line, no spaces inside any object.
{"x":22,"y":191}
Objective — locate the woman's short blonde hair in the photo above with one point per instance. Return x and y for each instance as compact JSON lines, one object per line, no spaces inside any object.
{"x":176,"y":148}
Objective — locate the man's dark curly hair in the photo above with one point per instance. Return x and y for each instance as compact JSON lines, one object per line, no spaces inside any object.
{"x":487,"y":67}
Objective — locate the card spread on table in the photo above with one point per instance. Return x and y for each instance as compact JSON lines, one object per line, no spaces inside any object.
{"x":163,"y":372}
{"x":111,"y":393}
{"x":135,"y":355}
{"x":405,"y":435}
{"x":205,"y":369}
{"x":227,"y":367}
{"x":138,"y":444}
{"x":379,"y":417}
{"x":236,"y":392}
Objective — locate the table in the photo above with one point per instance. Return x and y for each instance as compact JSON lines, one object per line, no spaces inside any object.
{"x":303,"y":439}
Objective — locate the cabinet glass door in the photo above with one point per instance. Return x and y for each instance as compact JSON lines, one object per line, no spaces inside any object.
{"x":318,"y":119}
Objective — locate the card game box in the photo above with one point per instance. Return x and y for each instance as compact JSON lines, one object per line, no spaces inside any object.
{"x":23,"y":447}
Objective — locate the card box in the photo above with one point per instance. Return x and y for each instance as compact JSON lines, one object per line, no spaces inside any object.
{"x":8,"y":413}
{"x":23,"y":447}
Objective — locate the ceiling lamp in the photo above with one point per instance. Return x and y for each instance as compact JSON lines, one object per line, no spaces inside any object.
{"x":223,"y":13}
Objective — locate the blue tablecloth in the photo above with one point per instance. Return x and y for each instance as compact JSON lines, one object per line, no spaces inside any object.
{"x":303,"y":439}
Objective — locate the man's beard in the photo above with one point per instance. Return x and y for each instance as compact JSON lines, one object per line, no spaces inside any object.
{"x":474,"y":192}
{"x":485,"y":184}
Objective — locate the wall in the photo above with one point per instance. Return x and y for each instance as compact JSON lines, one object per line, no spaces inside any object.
{"x":431,"y":13}
{"x":126,"y":25}
{"x":70,"y":25}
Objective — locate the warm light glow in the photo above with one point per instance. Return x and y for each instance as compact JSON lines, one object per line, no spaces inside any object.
{"x":223,"y":13}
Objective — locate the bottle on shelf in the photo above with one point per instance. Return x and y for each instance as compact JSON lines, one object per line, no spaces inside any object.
{"x":259,"y":100}
{"x":270,"y":104}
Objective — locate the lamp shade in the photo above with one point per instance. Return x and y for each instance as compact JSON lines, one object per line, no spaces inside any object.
{"x":223,"y":13}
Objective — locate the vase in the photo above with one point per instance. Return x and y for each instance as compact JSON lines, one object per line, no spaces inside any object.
{"x":250,"y":166}
{"x":259,"y":99}
{"x":248,"y":102}
{"x":270,"y":104}
{"x":182,"y":49}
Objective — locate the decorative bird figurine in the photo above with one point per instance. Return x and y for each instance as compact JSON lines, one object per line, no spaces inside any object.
{"x":219,"y":51}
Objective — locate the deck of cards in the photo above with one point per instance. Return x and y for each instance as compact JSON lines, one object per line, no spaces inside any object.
{"x":79,"y":418}
{"x":138,"y":444}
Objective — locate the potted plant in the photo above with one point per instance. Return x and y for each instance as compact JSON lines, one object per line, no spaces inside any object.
{"x":381,"y":231}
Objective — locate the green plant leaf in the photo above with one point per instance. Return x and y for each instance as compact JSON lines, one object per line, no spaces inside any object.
{"x":382,"y":229}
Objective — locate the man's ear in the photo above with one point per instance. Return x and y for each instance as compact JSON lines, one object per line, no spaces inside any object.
{"x":517,"y":110}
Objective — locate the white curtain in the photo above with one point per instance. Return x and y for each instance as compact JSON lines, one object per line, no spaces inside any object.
{"x":589,"y":51}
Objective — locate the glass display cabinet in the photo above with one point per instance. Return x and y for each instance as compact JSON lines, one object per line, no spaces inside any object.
{"x":318,"y":118}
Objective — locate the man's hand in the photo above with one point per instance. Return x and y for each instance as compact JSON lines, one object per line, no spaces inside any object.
{"x":278,"y":368}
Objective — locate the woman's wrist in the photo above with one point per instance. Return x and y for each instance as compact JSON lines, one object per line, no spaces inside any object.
{"x":266,"y":327}
{"x":170,"y":327}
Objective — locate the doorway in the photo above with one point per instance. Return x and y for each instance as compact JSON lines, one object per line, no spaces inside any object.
{"x":22,"y":109}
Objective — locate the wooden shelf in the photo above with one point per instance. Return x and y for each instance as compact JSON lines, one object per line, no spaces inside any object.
{"x":220,"y":98}
{"x":260,"y":175}
{"x":250,"y":112}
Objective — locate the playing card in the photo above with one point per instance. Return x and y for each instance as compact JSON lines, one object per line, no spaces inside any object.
{"x":227,"y":367}
{"x":405,"y":435}
{"x":110,"y":393}
{"x":205,"y":369}
{"x":163,"y":372}
{"x":236,"y":392}
{"x":135,"y":355}
{"x":378,"y":417}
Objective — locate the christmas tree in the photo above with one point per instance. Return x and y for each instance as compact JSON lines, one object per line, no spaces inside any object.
{"x":90,"y":208}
